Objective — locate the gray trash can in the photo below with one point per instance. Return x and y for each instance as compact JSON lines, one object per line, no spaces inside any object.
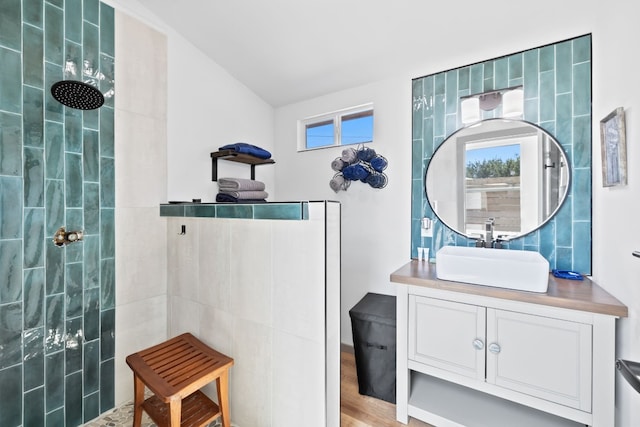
{"x":373,"y":324}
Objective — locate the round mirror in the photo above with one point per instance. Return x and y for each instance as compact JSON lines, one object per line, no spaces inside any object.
{"x":510,"y":171}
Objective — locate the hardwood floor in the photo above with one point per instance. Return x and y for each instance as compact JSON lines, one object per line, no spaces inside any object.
{"x":357,"y":410}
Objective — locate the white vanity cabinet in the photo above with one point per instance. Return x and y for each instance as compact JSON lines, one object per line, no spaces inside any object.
{"x":478,"y":356}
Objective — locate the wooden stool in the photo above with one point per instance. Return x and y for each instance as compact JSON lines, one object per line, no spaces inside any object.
{"x":174,"y":371}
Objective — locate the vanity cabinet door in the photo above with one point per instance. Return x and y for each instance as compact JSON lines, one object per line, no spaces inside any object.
{"x":540,"y":356}
{"x":447,"y":335}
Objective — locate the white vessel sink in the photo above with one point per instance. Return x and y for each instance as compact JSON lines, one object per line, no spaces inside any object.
{"x":502,"y":268}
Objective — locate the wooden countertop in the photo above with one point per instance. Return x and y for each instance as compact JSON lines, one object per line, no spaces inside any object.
{"x":584,"y":295}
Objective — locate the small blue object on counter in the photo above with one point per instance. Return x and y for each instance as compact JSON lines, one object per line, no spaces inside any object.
{"x":567,"y":274}
{"x":244,"y":148}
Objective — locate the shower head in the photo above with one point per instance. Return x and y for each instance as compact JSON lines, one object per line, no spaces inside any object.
{"x":75,"y":94}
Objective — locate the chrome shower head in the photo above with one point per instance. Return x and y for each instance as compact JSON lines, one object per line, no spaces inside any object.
{"x":76,"y":94}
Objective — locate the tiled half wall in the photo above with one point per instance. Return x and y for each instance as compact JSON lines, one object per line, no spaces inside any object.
{"x":557,"y":91}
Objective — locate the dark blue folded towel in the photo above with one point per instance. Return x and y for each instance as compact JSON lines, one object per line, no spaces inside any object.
{"x":244,"y":148}
{"x":222,"y":197}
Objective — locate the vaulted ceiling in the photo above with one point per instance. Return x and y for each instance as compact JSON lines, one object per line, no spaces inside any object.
{"x":291,"y":50}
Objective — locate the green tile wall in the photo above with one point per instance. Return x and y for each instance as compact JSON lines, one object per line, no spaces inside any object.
{"x":57,"y":318}
{"x":557,"y":86}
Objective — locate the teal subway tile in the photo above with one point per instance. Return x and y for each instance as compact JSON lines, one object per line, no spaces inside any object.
{"x":10,"y":20}
{"x":564,"y":67}
{"x":563,"y":119}
{"x":107,"y":84}
{"x":33,"y":117}
{"x":33,"y":357}
{"x":548,"y":241}
{"x":73,"y":399}
{"x":416,"y":150}
{"x":32,"y":12}
{"x":292,"y":211}
{"x":73,"y":347}
{"x":476,"y":78}
{"x":107,"y":182}
{"x":92,"y":314}
{"x":91,"y":209}
{"x":582,"y":141}
{"x":107,"y":29}
{"x":530,"y":74}
{"x":532,"y":239}
{"x":488,"y":70}
{"x":582,"y":89}
{"x":55,"y":268}
{"x":91,"y":403}
{"x":428,"y":91}
{"x":581,"y":191}
{"x":11,"y":396}
{"x":582,"y":247}
{"x":428,"y":133}
{"x":517,"y":244}
{"x":91,"y":262}
{"x":55,"y":418}
{"x":91,"y":119}
{"x":417,"y":117}
{"x":10,"y":265}
{"x":415,"y":237}
{"x":53,"y":34}
{"x":54,"y":150}
{"x":73,"y":289}
{"x":33,"y":300}
{"x":107,"y":334}
{"x":73,"y":130}
{"x":501,"y":73}
{"x":34,"y":414}
{"x":54,"y":205}
{"x":106,"y":132}
{"x":547,"y":58}
{"x":32,"y":54}
{"x":439,"y":84}
{"x":91,"y":11}
{"x":172,"y":210}
{"x":564,"y":258}
{"x":515,"y":66}
{"x":33,"y":177}
{"x":107,"y":386}
{"x":10,"y":144}
{"x":463,"y":78}
{"x":74,"y":220}
{"x":10,"y":207}
{"x":91,"y":156}
{"x":581,"y":49}
{"x":33,"y":238}
{"x":531,"y":110}
{"x":53,"y":110}
{"x":107,"y":233}
{"x":305,"y":210}
{"x":73,"y":20}
{"x":73,"y":60}
{"x":73,"y":180}
{"x":107,"y":283}
{"x":10,"y":81}
{"x":202,"y":211}
{"x":234,"y":211}
{"x":564,"y":223}
{"x":451,"y":93}
{"x":451,"y":124}
{"x":547,"y":96}
{"x":58,"y":3}
{"x":91,"y":45}
{"x":54,"y":382}
{"x":10,"y":334}
{"x":91,"y":367}
{"x":439,"y":127}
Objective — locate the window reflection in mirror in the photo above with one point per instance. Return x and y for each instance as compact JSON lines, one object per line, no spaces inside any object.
{"x":509,"y":170}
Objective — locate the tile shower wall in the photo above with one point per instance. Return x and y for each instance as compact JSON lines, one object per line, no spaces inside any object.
{"x":557,"y":90}
{"x":56,"y":169}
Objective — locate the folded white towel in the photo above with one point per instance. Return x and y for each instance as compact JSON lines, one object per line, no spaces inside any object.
{"x":245,"y":195}
{"x":240,"y":184}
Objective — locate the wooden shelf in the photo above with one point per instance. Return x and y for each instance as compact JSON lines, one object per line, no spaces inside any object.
{"x":234,"y":156}
{"x":197,"y":410}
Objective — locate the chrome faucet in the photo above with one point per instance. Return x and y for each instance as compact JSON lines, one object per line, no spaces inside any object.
{"x":488,"y":231}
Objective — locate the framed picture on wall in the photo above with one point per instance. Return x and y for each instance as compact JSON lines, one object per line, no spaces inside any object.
{"x":614,"y":149}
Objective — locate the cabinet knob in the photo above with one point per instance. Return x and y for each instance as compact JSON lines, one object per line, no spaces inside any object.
{"x":494,"y":348}
{"x":478,"y":344}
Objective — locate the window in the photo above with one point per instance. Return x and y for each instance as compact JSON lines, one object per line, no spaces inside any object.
{"x":344,"y":127}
